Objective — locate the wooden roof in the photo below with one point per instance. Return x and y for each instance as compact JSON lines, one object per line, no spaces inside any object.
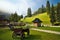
{"x":37,"y":20}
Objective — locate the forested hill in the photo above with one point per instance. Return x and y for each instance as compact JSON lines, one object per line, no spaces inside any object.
{"x":5,"y":14}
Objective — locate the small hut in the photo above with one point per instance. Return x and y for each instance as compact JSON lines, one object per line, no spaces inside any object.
{"x":37,"y":22}
{"x":3,"y":20}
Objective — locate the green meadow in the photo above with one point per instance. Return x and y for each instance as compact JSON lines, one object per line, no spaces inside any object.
{"x":50,"y":28}
{"x":44,"y":17}
{"x":6,"y":34}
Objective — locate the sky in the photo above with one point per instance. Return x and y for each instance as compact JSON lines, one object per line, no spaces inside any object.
{"x":21,"y":6}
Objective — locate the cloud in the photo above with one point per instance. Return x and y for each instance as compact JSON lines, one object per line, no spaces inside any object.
{"x":20,"y":6}
{"x":23,"y":5}
{"x":7,"y":6}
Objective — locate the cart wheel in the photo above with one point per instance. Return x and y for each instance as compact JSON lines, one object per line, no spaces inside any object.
{"x":13,"y":35}
{"x":22,"y":37}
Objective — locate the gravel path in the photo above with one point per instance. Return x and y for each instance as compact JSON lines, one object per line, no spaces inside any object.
{"x":48,"y":31}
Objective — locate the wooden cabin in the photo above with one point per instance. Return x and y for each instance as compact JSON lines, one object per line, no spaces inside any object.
{"x":37,"y":22}
{"x":3,"y":21}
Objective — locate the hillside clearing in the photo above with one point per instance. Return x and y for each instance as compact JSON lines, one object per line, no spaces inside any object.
{"x":44,"y":17}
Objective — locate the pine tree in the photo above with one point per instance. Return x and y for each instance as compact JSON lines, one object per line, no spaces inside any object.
{"x":42,"y":9}
{"x":48,"y":7}
{"x":29,"y":14}
{"x":21,"y":16}
{"x":58,"y":12}
{"x":14,"y":17}
{"x":52,"y":15}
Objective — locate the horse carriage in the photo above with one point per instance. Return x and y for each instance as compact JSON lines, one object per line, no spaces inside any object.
{"x":19,"y":31}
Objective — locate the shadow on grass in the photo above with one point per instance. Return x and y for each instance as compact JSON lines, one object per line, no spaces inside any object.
{"x":31,"y":37}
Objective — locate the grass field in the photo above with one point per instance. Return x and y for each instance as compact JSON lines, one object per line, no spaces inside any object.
{"x":43,"y":17}
{"x":50,"y":28}
{"x":6,"y":34}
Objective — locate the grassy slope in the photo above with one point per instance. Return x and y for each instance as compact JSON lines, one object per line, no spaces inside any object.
{"x":44,"y":17}
{"x":6,"y":34}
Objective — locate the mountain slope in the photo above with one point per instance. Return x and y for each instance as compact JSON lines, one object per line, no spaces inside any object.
{"x":5,"y":14}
